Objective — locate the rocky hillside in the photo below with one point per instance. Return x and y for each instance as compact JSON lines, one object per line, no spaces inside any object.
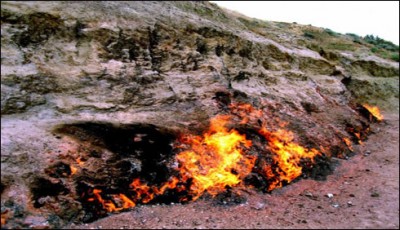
{"x":165,"y":66}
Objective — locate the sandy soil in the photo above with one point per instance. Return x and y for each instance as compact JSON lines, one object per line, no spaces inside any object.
{"x":365,"y":191}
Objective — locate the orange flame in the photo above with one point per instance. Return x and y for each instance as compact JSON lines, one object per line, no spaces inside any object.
{"x":4,"y":217}
{"x":219,"y":159}
{"x":213,"y":159}
{"x":287,"y":156}
{"x":109,"y":205}
{"x":358,"y":135}
{"x":79,"y":161}
{"x":142,"y":191}
{"x":374,"y":110}
{"x":73,"y":169}
{"x":348,"y":143}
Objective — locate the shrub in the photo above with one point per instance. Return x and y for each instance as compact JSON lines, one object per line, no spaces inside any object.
{"x":309,"y":35}
{"x":331,"y":32}
{"x":354,"y":36}
{"x":395,"y":57}
{"x":374,"y":49}
{"x":381,"y":43}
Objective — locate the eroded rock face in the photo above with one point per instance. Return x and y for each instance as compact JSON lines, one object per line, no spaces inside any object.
{"x":168,"y":65}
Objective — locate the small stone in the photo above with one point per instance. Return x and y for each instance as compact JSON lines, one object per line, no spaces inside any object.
{"x":349,"y":203}
{"x":304,"y":221}
{"x":258,"y":206}
{"x":352,"y":195}
{"x":308,"y":194}
{"x":367,"y":153}
{"x":335,"y":205}
{"x":196,"y":222}
{"x":329,"y":195}
{"x":374,"y":194}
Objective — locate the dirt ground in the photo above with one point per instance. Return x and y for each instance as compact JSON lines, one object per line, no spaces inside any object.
{"x":365,"y":191}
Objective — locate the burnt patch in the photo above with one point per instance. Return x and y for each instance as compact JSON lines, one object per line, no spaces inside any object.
{"x":42,"y":187}
{"x":322,"y":167}
{"x":140,"y":149}
{"x":124,"y":139}
{"x":229,"y":198}
{"x":58,"y":170}
{"x":240,"y":96}
{"x":223,"y":99}
{"x":111,"y":157}
{"x":358,"y":132}
{"x":309,"y":107}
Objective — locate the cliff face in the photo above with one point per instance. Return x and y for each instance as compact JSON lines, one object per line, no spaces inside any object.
{"x":172,"y":65}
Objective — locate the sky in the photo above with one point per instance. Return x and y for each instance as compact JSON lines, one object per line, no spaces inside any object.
{"x":379,"y":18}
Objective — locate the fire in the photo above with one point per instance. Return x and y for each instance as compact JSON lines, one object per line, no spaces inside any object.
{"x":358,"y":135}
{"x":142,"y":191}
{"x":221,"y":158}
{"x":348,"y":143}
{"x":73,"y":169}
{"x":4,"y":217}
{"x":287,"y":155}
{"x":108,"y":205}
{"x":374,"y":110}
{"x":79,"y":161}
{"x":215,"y":160}
{"x":213,"y":157}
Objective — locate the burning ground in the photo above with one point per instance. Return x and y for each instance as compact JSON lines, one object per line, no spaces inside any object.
{"x":102,"y":169}
{"x":170,"y":115}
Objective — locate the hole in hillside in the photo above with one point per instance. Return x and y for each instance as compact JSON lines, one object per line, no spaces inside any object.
{"x":112,"y":157}
{"x":42,"y":187}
